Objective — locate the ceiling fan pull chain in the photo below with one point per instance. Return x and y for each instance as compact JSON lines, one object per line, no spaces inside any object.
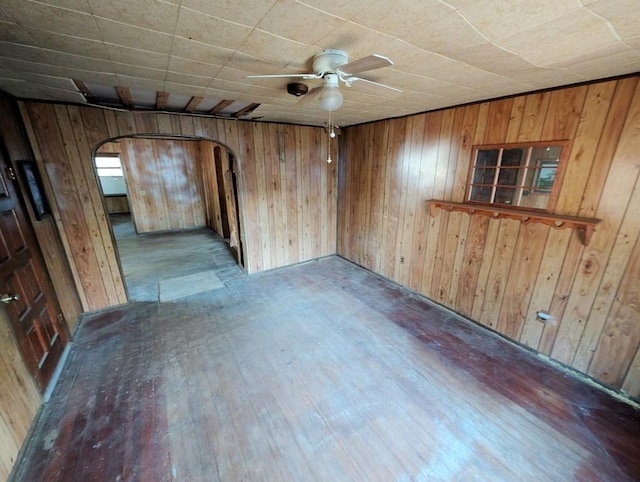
{"x":329,"y":137}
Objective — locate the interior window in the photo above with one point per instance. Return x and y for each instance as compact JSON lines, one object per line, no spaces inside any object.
{"x":110,"y":174}
{"x":516,"y":175}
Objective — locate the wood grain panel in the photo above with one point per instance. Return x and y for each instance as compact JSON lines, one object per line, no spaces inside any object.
{"x":47,"y":235}
{"x":19,"y":399}
{"x":164,"y":184}
{"x":496,"y":271}
{"x":19,"y":395}
{"x":64,"y":137}
{"x":210,"y":188}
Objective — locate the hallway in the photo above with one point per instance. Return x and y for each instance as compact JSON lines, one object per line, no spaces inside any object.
{"x":172,"y":265}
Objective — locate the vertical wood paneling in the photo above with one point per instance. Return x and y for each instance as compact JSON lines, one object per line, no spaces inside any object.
{"x":19,"y":395}
{"x":19,"y":399}
{"x":65,"y":136}
{"x":210,"y":188}
{"x":621,"y":338}
{"x":611,"y":208}
{"x":499,"y":272}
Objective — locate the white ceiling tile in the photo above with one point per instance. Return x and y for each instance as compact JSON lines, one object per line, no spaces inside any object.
{"x":295,"y":21}
{"x":23,"y":52}
{"x":68,"y":44}
{"x":28,"y":13}
{"x":14,"y":33}
{"x":137,"y":38}
{"x":139,"y":72}
{"x":77,"y":5}
{"x":18,"y":65}
{"x":201,"y":52}
{"x":183,"y":89}
{"x":504,"y":18}
{"x":276,"y":50}
{"x":617,"y":64}
{"x":78,"y":61}
{"x":126,"y":55}
{"x":243,"y":12}
{"x":28,"y":90}
{"x":5,"y":17}
{"x":445,"y":52}
{"x":188,"y":79}
{"x":202,"y":28}
{"x":582,"y":32}
{"x":106,"y":78}
{"x":186,"y":66}
{"x":140,"y":83}
{"x":623,"y":15}
{"x":64,"y":83}
{"x":150,"y":14}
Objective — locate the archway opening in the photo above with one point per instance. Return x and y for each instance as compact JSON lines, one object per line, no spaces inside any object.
{"x":173,"y":214}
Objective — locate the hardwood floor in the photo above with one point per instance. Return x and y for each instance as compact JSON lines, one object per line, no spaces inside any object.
{"x":318,"y":372}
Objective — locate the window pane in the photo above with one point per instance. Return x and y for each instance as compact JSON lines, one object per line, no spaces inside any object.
{"x":484,"y":175}
{"x":508,"y":177}
{"x":481,"y":194}
{"x":546,"y":176}
{"x":107,"y":161}
{"x":513,"y":157}
{"x":515,"y":174}
{"x":487,"y":157}
{"x":505,"y":195}
{"x":106,"y":172}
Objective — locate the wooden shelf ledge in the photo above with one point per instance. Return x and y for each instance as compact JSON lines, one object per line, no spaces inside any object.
{"x":584,"y":225}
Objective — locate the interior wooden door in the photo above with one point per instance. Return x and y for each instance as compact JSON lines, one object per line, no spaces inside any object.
{"x":25,"y":290}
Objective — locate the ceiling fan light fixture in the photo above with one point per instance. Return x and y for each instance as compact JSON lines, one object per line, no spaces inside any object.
{"x":331,"y":98}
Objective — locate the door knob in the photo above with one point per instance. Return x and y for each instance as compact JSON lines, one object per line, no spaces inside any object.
{"x":6,"y":298}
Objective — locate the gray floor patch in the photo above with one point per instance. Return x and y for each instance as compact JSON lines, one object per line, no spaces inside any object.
{"x":175,"y":288}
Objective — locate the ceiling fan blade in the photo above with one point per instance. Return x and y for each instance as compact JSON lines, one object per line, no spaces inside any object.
{"x":369,"y":62}
{"x":285,"y":76}
{"x":349,"y":80}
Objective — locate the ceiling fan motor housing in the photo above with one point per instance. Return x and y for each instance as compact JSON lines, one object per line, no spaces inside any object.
{"x":329,"y":60}
{"x":297,"y":88}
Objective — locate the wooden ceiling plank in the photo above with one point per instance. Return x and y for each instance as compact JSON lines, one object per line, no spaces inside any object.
{"x":221,"y":106}
{"x":84,"y":90}
{"x":125,"y":96}
{"x":247,"y":110}
{"x":162,"y":99}
{"x":193,"y":104}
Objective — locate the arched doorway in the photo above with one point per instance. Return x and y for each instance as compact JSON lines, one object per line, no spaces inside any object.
{"x":173,"y":214}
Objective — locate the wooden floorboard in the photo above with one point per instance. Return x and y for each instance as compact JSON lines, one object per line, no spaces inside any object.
{"x":318,"y":372}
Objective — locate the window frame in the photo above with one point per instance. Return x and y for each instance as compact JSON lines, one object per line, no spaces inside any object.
{"x":554,"y":193}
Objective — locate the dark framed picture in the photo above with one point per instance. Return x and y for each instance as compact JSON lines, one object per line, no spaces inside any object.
{"x":33,"y":183}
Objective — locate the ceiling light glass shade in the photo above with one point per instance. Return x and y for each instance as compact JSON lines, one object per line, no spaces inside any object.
{"x":331,"y":98}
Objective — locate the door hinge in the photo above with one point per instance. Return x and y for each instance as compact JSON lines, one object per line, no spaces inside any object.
{"x":11,"y":175}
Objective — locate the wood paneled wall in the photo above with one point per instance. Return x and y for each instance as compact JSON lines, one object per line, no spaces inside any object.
{"x":501,"y":272}
{"x":164,"y":182}
{"x":287,"y":192}
{"x":19,"y":395}
{"x":46,"y":230}
{"x":19,"y":399}
{"x":215,"y":206}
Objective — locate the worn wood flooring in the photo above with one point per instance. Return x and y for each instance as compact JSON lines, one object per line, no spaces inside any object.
{"x":318,"y":372}
{"x":153,"y":260}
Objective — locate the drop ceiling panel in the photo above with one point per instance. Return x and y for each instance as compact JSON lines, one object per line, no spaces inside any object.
{"x":444,"y":52}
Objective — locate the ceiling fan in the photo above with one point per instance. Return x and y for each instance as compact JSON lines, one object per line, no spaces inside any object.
{"x":333,"y":67}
